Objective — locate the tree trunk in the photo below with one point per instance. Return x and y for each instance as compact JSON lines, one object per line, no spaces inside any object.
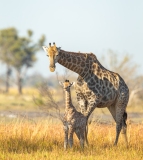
{"x":7,"y":83}
{"x":19,"y":82}
{"x":8,"y":72}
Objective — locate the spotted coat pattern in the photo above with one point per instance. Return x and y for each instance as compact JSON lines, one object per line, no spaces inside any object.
{"x":74,"y":121}
{"x":96,"y":86}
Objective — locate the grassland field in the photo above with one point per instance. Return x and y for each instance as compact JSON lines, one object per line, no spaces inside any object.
{"x":42,"y":138}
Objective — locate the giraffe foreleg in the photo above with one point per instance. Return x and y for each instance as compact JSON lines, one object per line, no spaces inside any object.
{"x":90,"y":108}
{"x":70,"y":140}
{"x":82,"y":103}
{"x":85,"y":135}
{"x":92,"y":103}
{"x":82,"y":137}
{"x":77,"y":132}
{"x":65,"y":137}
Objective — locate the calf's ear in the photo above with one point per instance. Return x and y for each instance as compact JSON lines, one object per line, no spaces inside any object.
{"x":72,"y":83}
{"x":61,"y":83}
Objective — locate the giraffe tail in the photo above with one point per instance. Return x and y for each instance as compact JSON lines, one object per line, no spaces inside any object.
{"x":124,"y":125}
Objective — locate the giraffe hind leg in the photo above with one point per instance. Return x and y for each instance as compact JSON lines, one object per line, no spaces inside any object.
{"x":118,"y":130}
{"x":121,"y":116}
{"x":112,"y":110}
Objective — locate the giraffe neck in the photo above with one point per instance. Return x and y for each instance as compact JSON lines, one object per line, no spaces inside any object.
{"x":77,"y":62}
{"x":68,"y":101}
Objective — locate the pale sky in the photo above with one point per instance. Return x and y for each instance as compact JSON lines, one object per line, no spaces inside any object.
{"x":78,"y":25}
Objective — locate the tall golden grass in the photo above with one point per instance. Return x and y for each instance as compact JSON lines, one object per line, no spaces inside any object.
{"x":24,"y":140}
{"x":41,"y":140}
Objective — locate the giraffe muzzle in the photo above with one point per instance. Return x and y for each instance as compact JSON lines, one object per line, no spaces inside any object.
{"x":52,"y":69}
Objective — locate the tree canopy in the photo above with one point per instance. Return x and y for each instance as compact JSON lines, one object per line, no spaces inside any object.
{"x":18,"y":51}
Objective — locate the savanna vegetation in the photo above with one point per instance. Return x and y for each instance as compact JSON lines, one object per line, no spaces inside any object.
{"x":18,"y":53}
{"x":43,"y":140}
{"x":30,"y":126}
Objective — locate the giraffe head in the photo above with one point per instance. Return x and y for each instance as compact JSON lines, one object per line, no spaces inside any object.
{"x":66,"y":85}
{"x":53,"y":54}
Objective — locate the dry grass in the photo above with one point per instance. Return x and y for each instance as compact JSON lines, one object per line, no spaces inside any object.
{"x":25,"y":140}
{"x":43,"y":140}
{"x":14,"y":101}
{"x":24,"y":102}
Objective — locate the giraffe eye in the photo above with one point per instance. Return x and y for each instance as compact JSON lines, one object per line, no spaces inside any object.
{"x":48,"y":55}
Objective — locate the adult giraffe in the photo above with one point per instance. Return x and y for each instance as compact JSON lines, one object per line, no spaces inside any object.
{"x":96,"y":86}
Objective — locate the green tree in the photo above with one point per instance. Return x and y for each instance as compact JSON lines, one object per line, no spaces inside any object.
{"x":7,"y":38}
{"x":19,"y":52}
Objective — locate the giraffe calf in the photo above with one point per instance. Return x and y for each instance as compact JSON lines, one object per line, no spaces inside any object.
{"x":73,"y":121}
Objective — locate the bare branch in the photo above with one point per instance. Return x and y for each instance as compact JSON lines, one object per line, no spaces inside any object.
{"x":47,"y":102}
{"x":67,"y":74}
{"x":132,"y":94}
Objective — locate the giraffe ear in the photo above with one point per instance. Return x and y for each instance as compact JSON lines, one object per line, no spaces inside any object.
{"x":45,"y":48}
{"x":61,"y":83}
{"x":72,"y":83}
{"x":58,"y":48}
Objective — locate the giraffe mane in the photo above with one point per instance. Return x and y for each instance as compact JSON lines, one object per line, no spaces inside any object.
{"x":81,"y":53}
